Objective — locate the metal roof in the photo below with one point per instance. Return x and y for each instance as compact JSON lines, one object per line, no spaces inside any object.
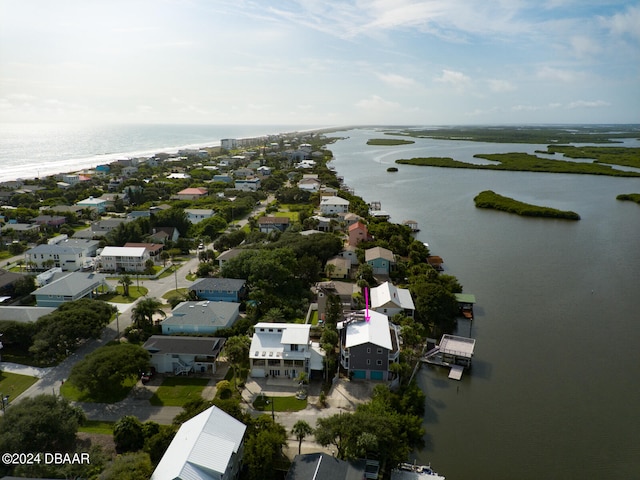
{"x":375,"y":331}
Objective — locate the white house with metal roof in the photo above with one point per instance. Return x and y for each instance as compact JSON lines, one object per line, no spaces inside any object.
{"x":123,"y":259}
{"x":284,"y":350}
{"x":200,"y":317}
{"x":389,"y":300}
{"x":333,"y":205}
{"x":207,"y":447}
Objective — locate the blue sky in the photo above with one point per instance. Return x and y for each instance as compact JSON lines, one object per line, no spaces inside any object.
{"x":320,"y":62}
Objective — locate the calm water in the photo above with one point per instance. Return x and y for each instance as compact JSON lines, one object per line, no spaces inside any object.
{"x":554,"y":390}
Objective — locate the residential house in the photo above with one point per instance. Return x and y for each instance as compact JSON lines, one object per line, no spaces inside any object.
{"x":309,"y":184}
{"x":343,"y":290}
{"x":368,"y":347}
{"x":70,"y":287}
{"x":228,"y":255}
{"x":264,"y":170}
{"x":219,"y":289}
{"x":54,"y":221}
{"x":154,"y":249}
{"x":350,"y":218}
{"x":97,"y":204}
{"x":181,"y":354}
{"x":190,"y":194}
{"x":196,"y":215}
{"x":101,"y":228}
{"x":268,"y":224}
{"x":135,"y":214}
{"x":68,"y":258}
{"x":381,"y":260}
{"x":243,"y":173}
{"x":89,"y":246}
{"x":284,"y":350}
{"x":322,"y":466}
{"x":202,"y":317}
{"x":20,"y":230}
{"x":350,"y":253}
{"x":247,"y":184}
{"x":7,"y":282}
{"x":324,"y":223}
{"x":164,"y":235}
{"x":208,"y":446}
{"x":223,"y":178}
{"x":123,"y":259}
{"x":358,"y":232}
{"x":22,"y":314}
{"x":389,"y":300}
{"x":333,"y":205}
{"x":341,"y":267}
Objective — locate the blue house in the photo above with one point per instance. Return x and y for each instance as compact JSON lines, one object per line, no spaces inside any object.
{"x":219,"y":289}
{"x":381,"y":260}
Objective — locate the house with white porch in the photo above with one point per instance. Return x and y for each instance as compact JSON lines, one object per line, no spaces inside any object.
{"x":333,"y":205}
{"x":123,"y":259}
{"x":196,"y":215}
{"x":284,"y":350}
{"x":389,"y":300}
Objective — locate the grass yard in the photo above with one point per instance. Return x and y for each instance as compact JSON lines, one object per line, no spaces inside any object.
{"x":13,"y":384}
{"x":176,"y":391}
{"x":97,"y":426}
{"x":114,"y":393}
{"x":280,"y":404}
{"x":293,"y":216}
{"x":118,"y":297}
{"x":181,"y":292}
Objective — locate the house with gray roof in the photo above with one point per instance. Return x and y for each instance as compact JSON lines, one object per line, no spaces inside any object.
{"x":70,"y":287}
{"x":22,"y":314}
{"x":209,"y":446}
{"x":321,"y":466}
{"x":219,"y":289}
{"x":179,"y":354}
{"x":381,"y":260}
{"x":200,"y":317}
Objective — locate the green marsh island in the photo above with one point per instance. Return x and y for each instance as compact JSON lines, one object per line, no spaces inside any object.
{"x":629,"y":197}
{"x":490,"y":199}
{"x":388,"y":142}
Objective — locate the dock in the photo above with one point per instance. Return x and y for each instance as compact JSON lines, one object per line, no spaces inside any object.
{"x":453,"y":352}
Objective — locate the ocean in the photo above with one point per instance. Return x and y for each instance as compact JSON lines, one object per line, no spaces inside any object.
{"x":38,"y":150}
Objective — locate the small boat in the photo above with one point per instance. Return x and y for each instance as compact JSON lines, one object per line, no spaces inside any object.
{"x":411,"y":471}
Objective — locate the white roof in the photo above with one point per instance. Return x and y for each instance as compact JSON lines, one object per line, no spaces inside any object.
{"x":123,"y":252}
{"x":202,"y":448}
{"x":333,"y":201}
{"x":460,"y":346}
{"x":389,"y":293}
{"x":375,"y":331}
{"x":271,"y":344}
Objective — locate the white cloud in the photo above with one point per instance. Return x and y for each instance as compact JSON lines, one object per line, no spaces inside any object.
{"x":451,"y":77}
{"x":626,"y":23}
{"x":584,"y":47}
{"x":500,"y":86}
{"x":557,"y":74}
{"x":375,"y":102}
{"x":588,"y":104}
{"x":396,"y":80}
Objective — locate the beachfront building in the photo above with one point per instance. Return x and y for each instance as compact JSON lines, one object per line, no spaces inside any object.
{"x":209,"y":446}
{"x":123,"y":259}
{"x":368,"y":348}
{"x":284,"y":350}
{"x":229,"y":143}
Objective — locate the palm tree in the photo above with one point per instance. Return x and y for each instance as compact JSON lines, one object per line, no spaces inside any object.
{"x":143,"y":312}
{"x":329,"y":269}
{"x":125,"y":281}
{"x":301,"y":429}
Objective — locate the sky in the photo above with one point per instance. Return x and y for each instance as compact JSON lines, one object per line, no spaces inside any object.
{"x":320,"y":62}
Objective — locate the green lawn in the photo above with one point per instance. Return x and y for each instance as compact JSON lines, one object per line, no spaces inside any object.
{"x":13,"y":384}
{"x":314,"y":317}
{"x":97,"y":426}
{"x":115,"y":393}
{"x":280,"y":404}
{"x":176,"y":391}
{"x":118,"y":297}
{"x":181,"y":292}
{"x":293,"y":216}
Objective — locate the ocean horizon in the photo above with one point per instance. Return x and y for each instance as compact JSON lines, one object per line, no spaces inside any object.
{"x":44,"y":149}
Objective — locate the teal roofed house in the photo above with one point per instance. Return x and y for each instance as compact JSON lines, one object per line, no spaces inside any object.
{"x":201,"y":317}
